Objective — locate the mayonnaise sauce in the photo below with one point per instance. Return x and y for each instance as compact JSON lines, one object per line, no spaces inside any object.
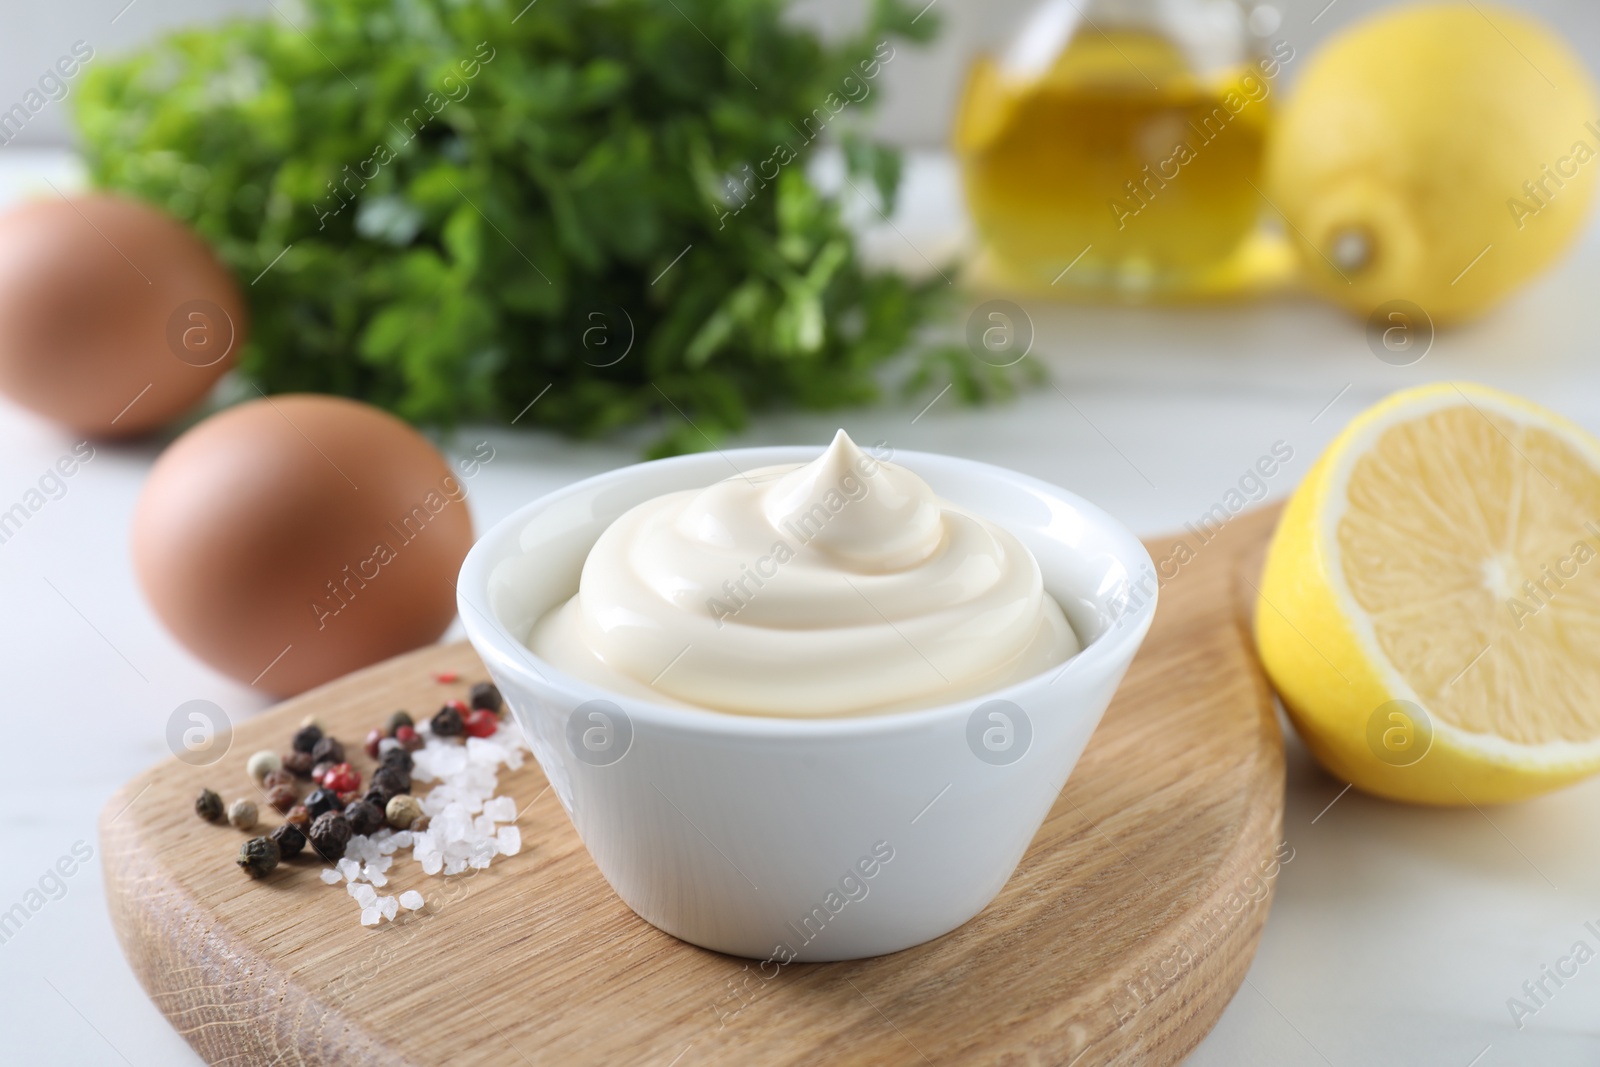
{"x":843,"y":586}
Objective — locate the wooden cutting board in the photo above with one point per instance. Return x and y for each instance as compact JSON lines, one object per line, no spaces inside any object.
{"x":1120,"y":939}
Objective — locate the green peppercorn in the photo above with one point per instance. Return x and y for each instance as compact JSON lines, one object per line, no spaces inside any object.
{"x":290,"y":840}
{"x":258,"y":856}
{"x":208,"y":806}
{"x":397,"y":720}
{"x":403,"y":811}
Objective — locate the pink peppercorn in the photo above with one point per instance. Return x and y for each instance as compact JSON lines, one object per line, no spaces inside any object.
{"x":482,"y":723}
{"x":374,"y":739}
{"x":342,"y":778}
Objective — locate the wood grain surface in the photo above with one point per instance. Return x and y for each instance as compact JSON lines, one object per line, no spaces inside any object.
{"x":1120,"y":939}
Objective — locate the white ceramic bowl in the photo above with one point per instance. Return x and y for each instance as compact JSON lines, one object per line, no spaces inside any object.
{"x":793,"y":839}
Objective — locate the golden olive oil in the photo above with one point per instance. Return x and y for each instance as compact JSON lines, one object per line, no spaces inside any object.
{"x":1118,"y":169}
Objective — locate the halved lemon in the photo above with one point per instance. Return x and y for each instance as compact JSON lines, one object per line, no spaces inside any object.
{"x":1430,"y":607}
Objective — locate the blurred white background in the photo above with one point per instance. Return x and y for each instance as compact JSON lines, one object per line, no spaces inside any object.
{"x":920,"y":88}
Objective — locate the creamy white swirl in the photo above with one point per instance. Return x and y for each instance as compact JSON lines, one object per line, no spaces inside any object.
{"x":840,"y":587}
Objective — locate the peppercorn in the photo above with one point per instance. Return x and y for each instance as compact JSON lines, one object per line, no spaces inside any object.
{"x":408,"y":737}
{"x":208,"y":806}
{"x":374,"y":739}
{"x":481,"y":723}
{"x":364,"y":818}
{"x":242,"y":814}
{"x":419,"y":824}
{"x":321,"y":801}
{"x":448,"y":722}
{"x":392,"y":780}
{"x":258,"y":856}
{"x":397,"y":720}
{"x":262,"y":763}
{"x":397,"y":757}
{"x":277,"y":778}
{"x":329,"y":750}
{"x":298,"y":816}
{"x":283,"y":797}
{"x":341,"y":778}
{"x":403,"y":811}
{"x":349,"y":797}
{"x":446,"y":677}
{"x":329,"y":834}
{"x":485,"y":696}
{"x":319,"y":770}
{"x":298,"y":764}
{"x":291,"y":839}
{"x":377,"y":798}
{"x":306,"y":738}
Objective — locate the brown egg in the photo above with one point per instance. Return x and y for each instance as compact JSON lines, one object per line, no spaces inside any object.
{"x":291,"y":540}
{"x":114,"y":318}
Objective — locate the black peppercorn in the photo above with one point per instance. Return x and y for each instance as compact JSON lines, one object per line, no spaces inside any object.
{"x":486,"y":696}
{"x":397,"y":720}
{"x":328,"y":750}
{"x":208,"y":806}
{"x":321,"y":801}
{"x":396,"y":757}
{"x":306,"y":738}
{"x":377,"y":797}
{"x":392,"y":780}
{"x":290,"y":840}
{"x":298,"y":816}
{"x":448,"y":722}
{"x":364,"y":817}
{"x":329,"y":834}
{"x":298,"y":763}
{"x":258,"y":856}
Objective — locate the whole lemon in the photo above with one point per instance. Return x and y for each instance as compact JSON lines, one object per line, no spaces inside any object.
{"x":1440,"y":153}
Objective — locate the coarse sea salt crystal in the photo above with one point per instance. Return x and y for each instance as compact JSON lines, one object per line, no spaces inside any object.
{"x":500,"y":809}
{"x":464,"y":813}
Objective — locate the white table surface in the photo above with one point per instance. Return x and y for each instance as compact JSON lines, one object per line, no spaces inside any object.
{"x":1397,"y":933}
